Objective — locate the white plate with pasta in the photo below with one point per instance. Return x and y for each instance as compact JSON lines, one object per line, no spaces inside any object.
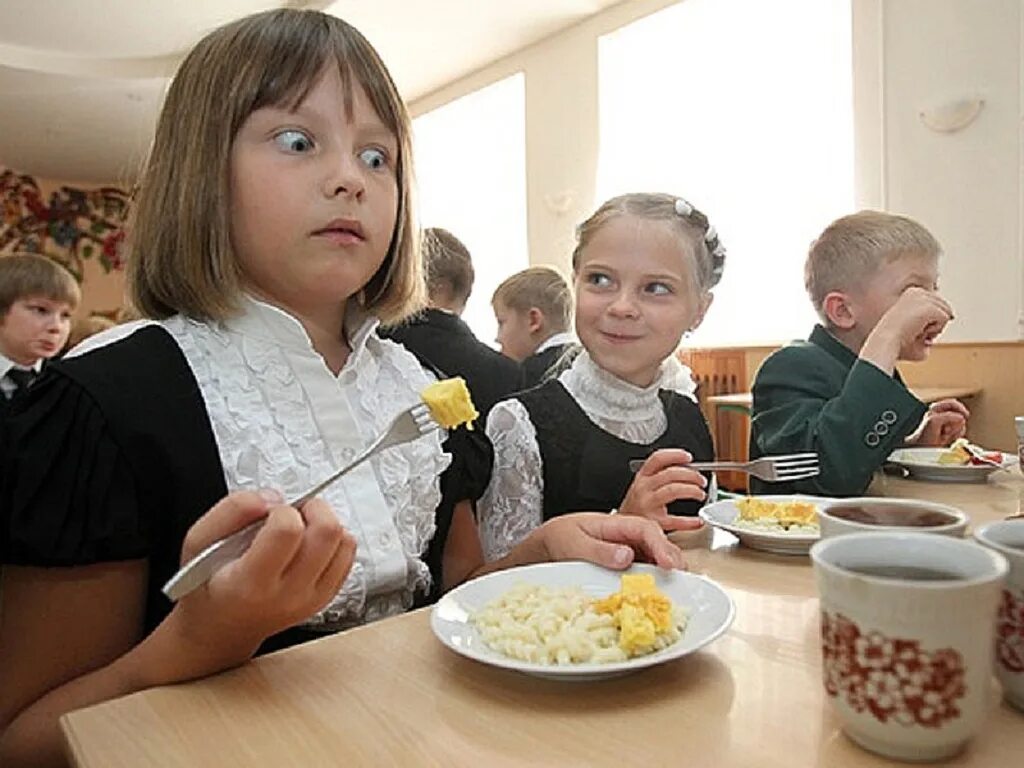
{"x":463,"y":617}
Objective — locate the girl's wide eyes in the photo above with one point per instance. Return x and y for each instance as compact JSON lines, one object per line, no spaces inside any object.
{"x":374,"y":158}
{"x":599,"y":279}
{"x":294,"y":141}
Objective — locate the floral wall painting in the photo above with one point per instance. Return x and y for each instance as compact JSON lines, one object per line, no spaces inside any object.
{"x":71,"y":226}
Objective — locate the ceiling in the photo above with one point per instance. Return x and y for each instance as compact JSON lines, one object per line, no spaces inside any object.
{"x":81,"y":80}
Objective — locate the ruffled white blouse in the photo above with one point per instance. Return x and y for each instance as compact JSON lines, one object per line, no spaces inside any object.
{"x":513,"y":503}
{"x":283,"y":420}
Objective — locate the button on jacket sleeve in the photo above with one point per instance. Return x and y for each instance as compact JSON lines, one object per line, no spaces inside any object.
{"x":852,"y":416}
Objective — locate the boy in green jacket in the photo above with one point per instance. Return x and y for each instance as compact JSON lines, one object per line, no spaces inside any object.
{"x":873,"y":280}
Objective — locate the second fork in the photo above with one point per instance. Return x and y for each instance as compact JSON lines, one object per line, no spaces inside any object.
{"x":771,"y":469}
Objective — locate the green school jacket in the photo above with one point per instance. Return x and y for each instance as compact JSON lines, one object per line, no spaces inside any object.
{"x":817,"y":395}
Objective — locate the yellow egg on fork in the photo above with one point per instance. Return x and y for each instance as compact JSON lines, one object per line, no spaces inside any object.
{"x":449,"y":402}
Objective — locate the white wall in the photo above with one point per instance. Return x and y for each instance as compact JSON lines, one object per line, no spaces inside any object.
{"x":916,"y":55}
{"x":561,"y":124}
{"x":909,"y":55}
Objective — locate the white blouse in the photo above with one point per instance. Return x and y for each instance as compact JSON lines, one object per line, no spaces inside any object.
{"x":283,"y":420}
{"x":513,"y":504}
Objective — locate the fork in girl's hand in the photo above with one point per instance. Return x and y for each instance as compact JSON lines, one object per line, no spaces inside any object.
{"x":771,"y":469}
{"x":408,"y":425}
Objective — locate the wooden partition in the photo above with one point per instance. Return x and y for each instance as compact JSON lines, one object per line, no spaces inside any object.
{"x":996,"y":368}
{"x":722,"y":372}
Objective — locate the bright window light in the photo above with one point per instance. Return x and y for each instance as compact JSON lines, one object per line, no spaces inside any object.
{"x":471,"y":172}
{"x":747,"y":113}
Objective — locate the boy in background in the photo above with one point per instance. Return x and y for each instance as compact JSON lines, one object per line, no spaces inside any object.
{"x":37,"y":299}
{"x":439,"y":336}
{"x":873,"y":280}
{"x":534,"y":309}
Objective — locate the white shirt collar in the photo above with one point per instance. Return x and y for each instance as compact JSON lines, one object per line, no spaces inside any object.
{"x":6,"y":364}
{"x":7,"y":387}
{"x":261,"y":320}
{"x":555,"y":340}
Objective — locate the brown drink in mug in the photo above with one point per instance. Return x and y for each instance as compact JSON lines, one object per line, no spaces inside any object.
{"x":908,"y":628}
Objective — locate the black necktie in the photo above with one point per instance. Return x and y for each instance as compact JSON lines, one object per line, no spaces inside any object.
{"x":22,"y":379}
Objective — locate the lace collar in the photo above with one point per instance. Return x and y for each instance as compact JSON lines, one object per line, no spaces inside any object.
{"x":261,"y":320}
{"x":608,"y":397}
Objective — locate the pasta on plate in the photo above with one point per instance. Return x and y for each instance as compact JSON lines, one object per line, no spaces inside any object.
{"x":562,"y":626}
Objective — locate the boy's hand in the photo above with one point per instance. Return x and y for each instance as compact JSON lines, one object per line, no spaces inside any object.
{"x":918,"y":316}
{"x":662,"y":479}
{"x":917,"y":312}
{"x":945,"y":421}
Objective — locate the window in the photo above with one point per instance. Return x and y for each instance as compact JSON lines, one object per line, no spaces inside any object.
{"x":471,"y":172}
{"x":748,"y":114}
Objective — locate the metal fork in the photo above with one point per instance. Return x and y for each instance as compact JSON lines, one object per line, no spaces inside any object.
{"x":408,"y":425}
{"x":771,"y":469}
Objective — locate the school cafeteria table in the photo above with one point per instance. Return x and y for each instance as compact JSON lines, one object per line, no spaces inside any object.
{"x":389,"y":694}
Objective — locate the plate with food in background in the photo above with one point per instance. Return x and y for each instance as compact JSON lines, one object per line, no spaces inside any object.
{"x":962,"y":462}
{"x":577,"y":621}
{"x":785,"y":525}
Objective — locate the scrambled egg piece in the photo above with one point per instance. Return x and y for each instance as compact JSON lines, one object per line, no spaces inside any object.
{"x":449,"y":402}
{"x":641,"y":612}
{"x":785,"y":513}
{"x":957,"y":454}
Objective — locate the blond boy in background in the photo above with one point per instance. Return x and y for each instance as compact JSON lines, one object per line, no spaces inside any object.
{"x":873,"y":280}
{"x":533,"y":309}
{"x":440,"y":337}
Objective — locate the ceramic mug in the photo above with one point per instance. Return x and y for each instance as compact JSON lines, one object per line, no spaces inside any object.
{"x":1007,"y":538}
{"x":908,"y":630}
{"x":886,"y":514}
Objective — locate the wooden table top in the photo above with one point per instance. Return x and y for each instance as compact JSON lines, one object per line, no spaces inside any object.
{"x":924,"y":394}
{"x":391,"y":694}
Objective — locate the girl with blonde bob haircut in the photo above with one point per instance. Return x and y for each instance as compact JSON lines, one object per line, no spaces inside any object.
{"x":273,"y":232}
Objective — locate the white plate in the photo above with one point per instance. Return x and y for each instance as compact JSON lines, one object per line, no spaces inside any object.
{"x":923,"y":464}
{"x":709,"y":610}
{"x":723,"y":514}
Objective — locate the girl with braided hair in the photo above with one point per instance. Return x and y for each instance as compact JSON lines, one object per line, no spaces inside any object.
{"x":643,"y":269}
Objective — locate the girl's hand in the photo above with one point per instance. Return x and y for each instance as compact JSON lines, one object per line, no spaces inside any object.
{"x":613,"y":541}
{"x":662,"y":479}
{"x":296,"y":564}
